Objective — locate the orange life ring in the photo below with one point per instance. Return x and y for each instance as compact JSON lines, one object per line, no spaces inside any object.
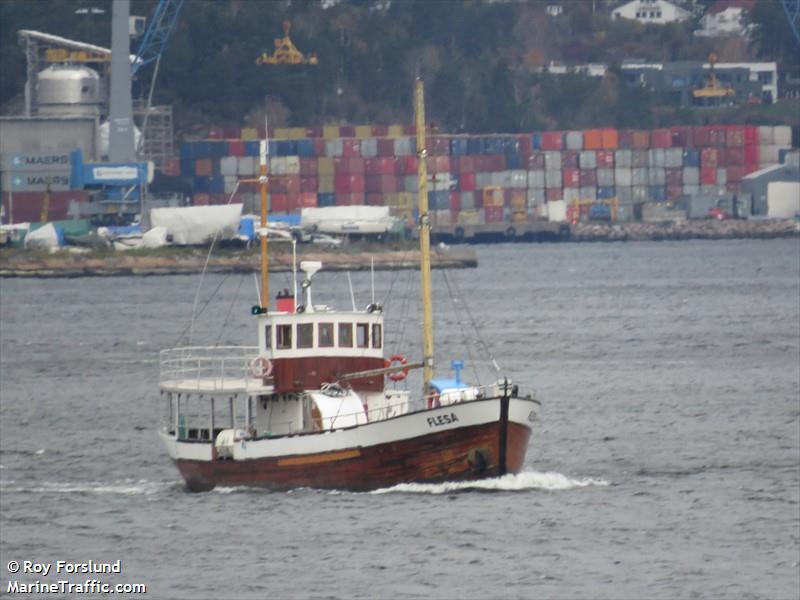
{"x":260,"y":367}
{"x":397,"y":375}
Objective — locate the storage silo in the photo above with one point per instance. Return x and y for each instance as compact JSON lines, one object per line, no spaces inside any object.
{"x":69,"y":90}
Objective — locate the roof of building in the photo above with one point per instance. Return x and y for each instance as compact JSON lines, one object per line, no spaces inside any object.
{"x":723,"y":5}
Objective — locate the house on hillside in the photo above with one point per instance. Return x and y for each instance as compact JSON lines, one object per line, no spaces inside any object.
{"x":654,"y":12}
{"x":726,"y":17}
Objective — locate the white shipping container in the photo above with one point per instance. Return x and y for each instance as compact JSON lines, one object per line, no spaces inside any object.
{"x":673,"y":158}
{"x":691,"y":190}
{"x":536,"y":196}
{"x":710,"y":190}
{"x":467,"y":201}
{"x":557,"y":211}
{"x":691,"y":176}
{"x":369,"y":147}
{"x":246,"y":165}
{"x":441,"y":217}
{"x":571,"y":194}
{"x":639,"y":176}
{"x":783,"y":199}
{"x":589,"y":193}
{"x":552,"y":160}
{"x":623,"y":158}
{"x":765,"y":136}
{"x":518,"y":179}
{"x":482,"y":180}
{"x":782,"y":135}
{"x":574,"y":140}
{"x":640,"y":194}
{"x":228,"y":165}
{"x":536,"y":179}
{"x":552,"y":178}
{"x":624,"y":194}
{"x":657,"y":176}
{"x":722,"y":176}
{"x":640,"y":158}
{"x":292,"y":165}
{"x":623,"y":176}
{"x":410,"y":183}
{"x":656,"y":157}
{"x":587,"y":159}
{"x":277,"y":165}
{"x":500,"y":179}
{"x":335,"y":148}
{"x":605,"y":177}
{"x":403,"y":146}
{"x":230,"y":183}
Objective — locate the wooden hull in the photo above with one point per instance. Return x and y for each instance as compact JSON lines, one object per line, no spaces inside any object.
{"x":464,"y":453}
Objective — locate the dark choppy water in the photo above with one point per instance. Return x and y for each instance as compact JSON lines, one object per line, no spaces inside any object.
{"x":666,"y":463}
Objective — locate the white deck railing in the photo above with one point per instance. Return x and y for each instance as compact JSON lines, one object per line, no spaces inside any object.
{"x":209,"y":368}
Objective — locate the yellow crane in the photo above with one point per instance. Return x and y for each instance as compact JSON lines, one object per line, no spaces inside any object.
{"x":286,"y":53}
{"x":713,"y":88}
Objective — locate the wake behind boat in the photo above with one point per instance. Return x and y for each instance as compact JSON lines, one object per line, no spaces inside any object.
{"x":309,"y":406}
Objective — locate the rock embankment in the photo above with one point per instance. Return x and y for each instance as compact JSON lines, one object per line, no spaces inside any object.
{"x":709,"y":229}
{"x":63,"y":264}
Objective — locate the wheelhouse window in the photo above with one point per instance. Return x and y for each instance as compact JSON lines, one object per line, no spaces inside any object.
{"x":267,"y":337}
{"x":305,"y":335}
{"x":362,"y":335}
{"x":376,"y":335}
{"x":283,"y":335}
{"x":345,"y":335}
{"x":325,"y":335}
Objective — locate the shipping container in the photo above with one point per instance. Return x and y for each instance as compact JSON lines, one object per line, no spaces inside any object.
{"x":691,"y":176}
{"x":640,"y":176}
{"x":553,"y":194}
{"x":587,"y":159}
{"x":623,"y":176}
{"x":466,"y":181}
{"x":605,"y":192}
{"x":709,"y":157}
{"x":660,"y":138}
{"x":691,"y":158}
{"x":404,"y":146}
{"x":673,"y":177}
{"x":305,"y":147}
{"x":536,"y":179}
{"x":573,"y":140}
{"x":552,"y":140}
{"x":593,"y":139}
{"x":623,"y":158}
{"x":682,"y":137}
{"x":708,"y":175}
{"x":588,"y":178}
{"x":673,"y":158}
{"x":640,"y":158}
{"x":605,"y":177}
{"x":385,"y":147}
{"x":459,"y":146}
{"x":334,"y":147}
{"x":610,"y":138}
{"x":657,"y":176}
{"x":656,"y":157}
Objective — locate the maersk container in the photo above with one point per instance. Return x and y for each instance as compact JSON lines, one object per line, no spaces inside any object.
{"x":587,"y":159}
{"x":552,"y":178}
{"x":573,"y":140}
{"x":605,"y":177}
{"x":552,"y":160}
{"x":691,"y":158}
{"x":623,"y":158}
{"x":691,"y":176}
{"x":606,"y":191}
{"x":623,"y":176}
{"x":536,"y":179}
{"x":657,"y":176}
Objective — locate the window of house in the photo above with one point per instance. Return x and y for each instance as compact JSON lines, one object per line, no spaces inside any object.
{"x":376,"y":335}
{"x":345,"y":335}
{"x":268,"y":337}
{"x":305,"y":335}
{"x":765,"y":77}
{"x":325,"y":335}
{"x":283,"y":334}
{"x":362,"y":335}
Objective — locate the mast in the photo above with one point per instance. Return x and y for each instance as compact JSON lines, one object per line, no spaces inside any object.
{"x":424,"y":237}
{"x":263,"y":155}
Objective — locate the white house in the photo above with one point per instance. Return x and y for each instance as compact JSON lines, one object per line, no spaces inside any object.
{"x":726,"y":17}
{"x":657,"y":12}
{"x":554,"y":10}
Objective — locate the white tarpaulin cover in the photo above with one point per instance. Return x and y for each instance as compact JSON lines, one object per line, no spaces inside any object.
{"x":44,"y":237}
{"x":783,"y":199}
{"x":339,"y":411}
{"x":198,"y":224}
{"x":348,"y":219}
{"x":155,"y":238}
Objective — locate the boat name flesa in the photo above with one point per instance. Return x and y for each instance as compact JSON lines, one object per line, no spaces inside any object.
{"x":440,"y":420}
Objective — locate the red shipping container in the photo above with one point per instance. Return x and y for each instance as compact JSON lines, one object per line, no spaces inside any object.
{"x":203,"y":167}
{"x":218,"y":198}
{"x":716,"y":135}
{"x":215,"y":134}
{"x":351,"y":148}
{"x":466,"y":181}
{"x":750,"y":167}
{"x":197,"y":199}
{"x":605,"y":159}
{"x":466,"y":164}
{"x":708,"y":175}
{"x":371,"y":166}
{"x":236,"y":148}
{"x":569,"y":159}
{"x":277,"y":184}
{"x":735,"y":173}
{"x":409,"y":130}
{"x":347,"y":131}
{"x":525,"y":145}
{"x":661,"y":138}
{"x":571,"y":177}
{"x":701,"y":135}
{"x":293,"y":184}
{"x":709,"y":157}
{"x":553,"y":194}
{"x":588,"y":178}
{"x":496,"y":162}
{"x":610,"y":138}
{"x":173,"y":167}
{"x":308,"y":200}
{"x":292,"y":203}
{"x":350,"y":199}
{"x":681,"y":136}
{"x":430,"y":163}
{"x":319,"y":146}
{"x":409,"y":165}
{"x":674,"y":176}
{"x":385,"y":146}
{"x":536,"y":161}
{"x":372,"y":184}
{"x":355,"y":165}
{"x":313,"y":132}
{"x":440,"y":145}
{"x":248,"y":187}
{"x":734,"y":136}
{"x":308,"y":166}
{"x":390,"y":183}
{"x":674,"y":192}
{"x":750,"y":135}
{"x":308,"y":183}
{"x":552,"y":140}
{"x":374,"y":199}
{"x":340,"y":166}
{"x":442,"y":164}
{"x":480,"y":163}
{"x":232,"y":133}
{"x":641,"y":139}
{"x":626,"y":139}
{"x":380,"y":130}
{"x":387,"y":165}
{"x":751,"y":153}
{"x":278,"y":203}
{"x":493,"y":214}
{"x":593,"y":139}
{"x":455,"y":202}
{"x":733,"y":157}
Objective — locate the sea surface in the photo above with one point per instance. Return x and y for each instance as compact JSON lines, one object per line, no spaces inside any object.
{"x":665,"y":462}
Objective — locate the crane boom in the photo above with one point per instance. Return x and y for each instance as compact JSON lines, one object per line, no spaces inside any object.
{"x":157,"y":34}
{"x":792,"y":10}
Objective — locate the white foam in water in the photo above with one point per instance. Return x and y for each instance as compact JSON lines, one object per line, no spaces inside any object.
{"x":125,"y":487}
{"x":529,"y":480}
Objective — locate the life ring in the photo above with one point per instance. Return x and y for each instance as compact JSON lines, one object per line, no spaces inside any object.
{"x":260,"y":367}
{"x":397,"y":375}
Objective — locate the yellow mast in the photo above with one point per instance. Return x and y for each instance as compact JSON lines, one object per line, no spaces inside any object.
{"x":263,"y":155}
{"x":424,"y":237}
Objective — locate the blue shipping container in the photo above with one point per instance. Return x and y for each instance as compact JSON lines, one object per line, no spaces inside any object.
{"x":252,"y":147}
{"x":474,"y":145}
{"x":216,"y":185}
{"x":286,"y":148}
{"x":459,"y":146}
{"x":691,"y":158}
{"x":326,"y":200}
{"x":202,"y":184}
{"x":493,"y":145}
{"x":305,"y":148}
{"x":606,"y":191}
{"x":187,"y":167}
{"x":537,"y":141}
{"x":657,"y":193}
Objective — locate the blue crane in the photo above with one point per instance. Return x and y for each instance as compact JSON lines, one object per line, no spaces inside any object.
{"x":792,"y":10}
{"x":158,"y":32}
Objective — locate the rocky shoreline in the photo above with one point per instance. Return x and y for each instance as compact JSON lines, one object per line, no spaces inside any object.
{"x":707,"y":229}
{"x":64,"y":264}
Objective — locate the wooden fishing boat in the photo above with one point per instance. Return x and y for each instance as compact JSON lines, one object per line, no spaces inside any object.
{"x":310,"y":405}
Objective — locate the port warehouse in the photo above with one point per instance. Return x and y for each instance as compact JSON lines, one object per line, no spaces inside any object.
{"x":474,"y":180}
